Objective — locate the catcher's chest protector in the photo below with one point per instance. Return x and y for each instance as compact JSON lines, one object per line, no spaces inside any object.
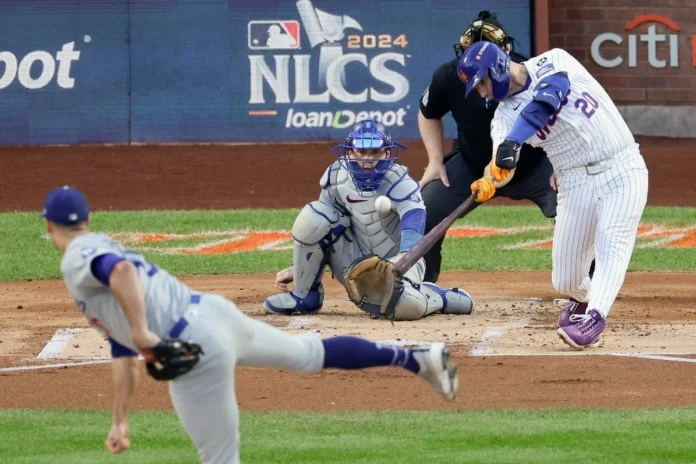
{"x":376,"y":233}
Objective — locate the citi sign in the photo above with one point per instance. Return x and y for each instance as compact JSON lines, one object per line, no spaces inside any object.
{"x":651,"y":39}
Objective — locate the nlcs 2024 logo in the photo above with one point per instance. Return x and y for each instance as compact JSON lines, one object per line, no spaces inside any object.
{"x":322,"y":77}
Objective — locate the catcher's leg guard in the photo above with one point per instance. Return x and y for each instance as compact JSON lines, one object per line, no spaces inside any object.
{"x":453,"y":300}
{"x":315,"y":231}
{"x":424,"y":299}
{"x":288,"y":303}
{"x":345,"y":252}
{"x":421,"y":299}
{"x":414,"y":303}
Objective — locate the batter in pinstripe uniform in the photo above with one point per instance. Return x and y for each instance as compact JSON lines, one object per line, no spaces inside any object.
{"x":552,"y":101}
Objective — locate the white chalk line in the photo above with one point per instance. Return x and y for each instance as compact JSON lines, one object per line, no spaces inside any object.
{"x":670,"y":357}
{"x":57,"y":343}
{"x":299,"y":322}
{"x":403,"y":342}
{"x":491,"y":336}
{"x":54,"y":366}
{"x":592,"y":352}
{"x":657,"y":357}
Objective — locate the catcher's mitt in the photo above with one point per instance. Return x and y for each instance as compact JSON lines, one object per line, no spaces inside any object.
{"x":372,"y":286}
{"x":171,"y":358}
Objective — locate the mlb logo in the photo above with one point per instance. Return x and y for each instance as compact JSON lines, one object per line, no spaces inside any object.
{"x":274,"y":35}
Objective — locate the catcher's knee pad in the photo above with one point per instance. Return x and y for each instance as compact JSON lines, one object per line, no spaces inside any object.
{"x":316,"y":221}
{"x":412,"y":304}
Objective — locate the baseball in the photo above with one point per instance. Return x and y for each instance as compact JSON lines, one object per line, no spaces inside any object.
{"x":383,"y":204}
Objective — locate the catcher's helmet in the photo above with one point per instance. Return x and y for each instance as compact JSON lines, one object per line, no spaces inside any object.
{"x":484,"y":26}
{"x":481,"y":58}
{"x":368,"y":134}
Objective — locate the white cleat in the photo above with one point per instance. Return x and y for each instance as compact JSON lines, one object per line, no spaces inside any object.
{"x":437,"y":369}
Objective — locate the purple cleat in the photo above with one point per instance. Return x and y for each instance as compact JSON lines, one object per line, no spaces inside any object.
{"x":569,"y":308}
{"x":584,"y":330}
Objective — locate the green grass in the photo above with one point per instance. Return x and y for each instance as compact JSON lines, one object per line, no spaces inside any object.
{"x":26,"y":254}
{"x":549,"y":436}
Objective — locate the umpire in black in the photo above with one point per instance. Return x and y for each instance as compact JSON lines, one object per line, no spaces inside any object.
{"x":447,"y":180}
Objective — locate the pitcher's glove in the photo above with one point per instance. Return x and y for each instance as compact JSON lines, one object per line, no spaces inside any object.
{"x":372,"y":286}
{"x":171,"y":358}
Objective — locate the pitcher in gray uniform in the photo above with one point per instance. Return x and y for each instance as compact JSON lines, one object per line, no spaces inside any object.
{"x":343,"y":226}
{"x":139,"y":307}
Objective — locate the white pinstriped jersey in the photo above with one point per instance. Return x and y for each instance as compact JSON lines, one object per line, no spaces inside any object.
{"x":588,"y":128}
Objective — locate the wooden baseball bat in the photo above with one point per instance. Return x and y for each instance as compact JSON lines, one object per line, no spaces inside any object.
{"x":426,"y":243}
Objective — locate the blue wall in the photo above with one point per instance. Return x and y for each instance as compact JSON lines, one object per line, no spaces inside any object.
{"x":202,"y":71}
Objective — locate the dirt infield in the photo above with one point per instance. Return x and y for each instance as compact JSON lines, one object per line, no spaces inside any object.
{"x":507,"y":351}
{"x":526,"y":367}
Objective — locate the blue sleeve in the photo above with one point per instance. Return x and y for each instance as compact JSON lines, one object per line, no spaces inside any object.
{"x":102,"y":266}
{"x":120,"y":351}
{"x":548,"y":99}
{"x":412,"y":228}
{"x":524,"y":128}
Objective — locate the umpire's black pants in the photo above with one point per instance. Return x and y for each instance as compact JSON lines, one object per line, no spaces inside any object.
{"x":440,"y":201}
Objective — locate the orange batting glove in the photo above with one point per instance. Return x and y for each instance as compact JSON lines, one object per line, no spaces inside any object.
{"x":485,"y":188}
{"x":505,"y":160}
{"x":499,"y":174}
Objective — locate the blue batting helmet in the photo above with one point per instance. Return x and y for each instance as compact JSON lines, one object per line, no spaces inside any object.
{"x":368,"y":174}
{"x":481,"y":58}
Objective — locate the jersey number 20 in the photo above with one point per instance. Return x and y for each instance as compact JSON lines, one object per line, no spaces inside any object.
{"x":588,"y":105}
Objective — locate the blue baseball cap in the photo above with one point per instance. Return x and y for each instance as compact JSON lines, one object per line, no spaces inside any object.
{"x":65,"y":205}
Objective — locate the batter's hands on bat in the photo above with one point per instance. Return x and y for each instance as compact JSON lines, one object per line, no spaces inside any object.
{"x":500,"y":174}
{"x":434,"y":170}
{"x":283,"y":278}
{"x":117,"y":441}
{"x":485,"y":188}
{"x":505,"y":160}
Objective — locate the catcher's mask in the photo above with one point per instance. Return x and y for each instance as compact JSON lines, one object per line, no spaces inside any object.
{"x":485,"y":58}
{"x":367,"y":154}
{"x":484,"y":26}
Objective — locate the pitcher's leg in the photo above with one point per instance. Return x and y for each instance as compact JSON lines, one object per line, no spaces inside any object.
{"x":261,"y":345}
{"x":205,"y":401}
